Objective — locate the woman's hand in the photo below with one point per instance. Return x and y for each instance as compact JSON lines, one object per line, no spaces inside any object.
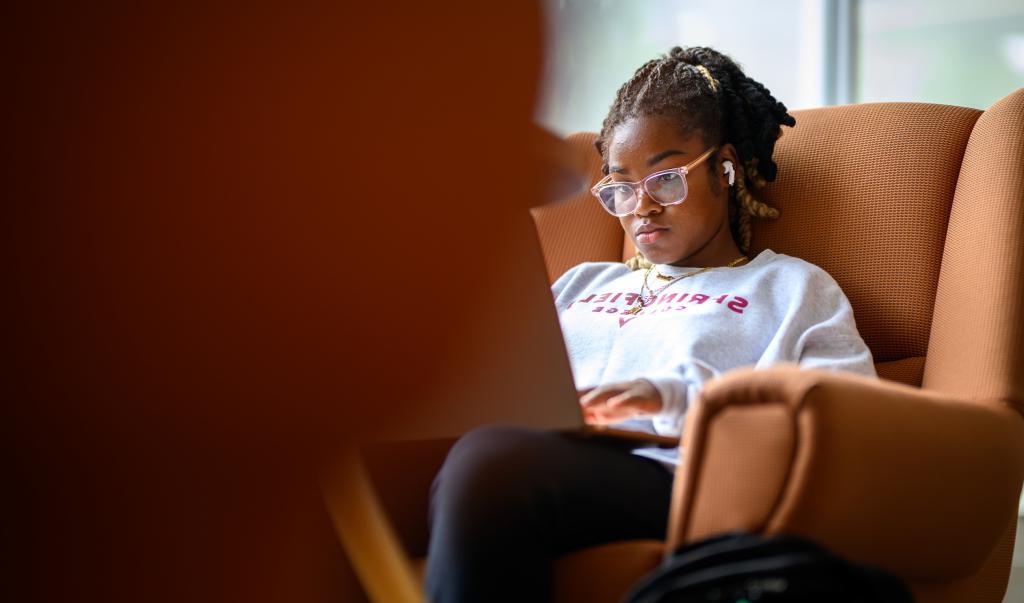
{"x":614,"y":402}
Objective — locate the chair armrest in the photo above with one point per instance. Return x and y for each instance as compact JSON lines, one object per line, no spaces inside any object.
{"x":914,"y":482}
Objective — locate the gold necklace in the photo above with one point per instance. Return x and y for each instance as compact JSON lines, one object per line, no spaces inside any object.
{"x":646,"y":300}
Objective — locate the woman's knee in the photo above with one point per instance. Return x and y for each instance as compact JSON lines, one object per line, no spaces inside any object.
{"x":491,"y":463}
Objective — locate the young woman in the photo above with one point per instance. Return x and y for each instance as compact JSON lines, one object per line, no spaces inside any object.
{"x":687,"y":142}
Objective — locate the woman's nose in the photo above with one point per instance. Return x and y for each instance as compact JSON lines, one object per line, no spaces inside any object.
{"x":645,"y":205}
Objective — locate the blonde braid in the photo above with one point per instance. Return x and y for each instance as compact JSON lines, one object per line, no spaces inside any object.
{"x":743,"y":231}
{"x":754,"y":176}
{"x":749,"y":205}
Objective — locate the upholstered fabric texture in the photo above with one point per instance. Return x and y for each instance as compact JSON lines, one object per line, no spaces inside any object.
{"x":881,"y":473}
{"x":977,"y":347}
{"x":576,"y":229}
{"x":871,"y":209}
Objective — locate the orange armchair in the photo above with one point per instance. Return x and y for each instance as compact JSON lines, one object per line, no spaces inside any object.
{"x":917,"y":210}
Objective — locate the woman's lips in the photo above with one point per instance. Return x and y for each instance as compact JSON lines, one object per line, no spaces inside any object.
{"x":650,"y":236}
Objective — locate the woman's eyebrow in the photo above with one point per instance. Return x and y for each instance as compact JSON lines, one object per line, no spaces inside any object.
{"x":615,"y":169}
{"x":662,"y":155}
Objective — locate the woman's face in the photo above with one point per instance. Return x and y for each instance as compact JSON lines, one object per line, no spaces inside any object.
{"x":692,"y":233}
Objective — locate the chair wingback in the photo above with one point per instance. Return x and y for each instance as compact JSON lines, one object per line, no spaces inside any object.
{"x":864,"y":191}
{"x":576,"y":229}
{"x":977,"y":339}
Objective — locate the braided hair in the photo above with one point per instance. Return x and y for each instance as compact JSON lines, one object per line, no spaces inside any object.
{"x":707,"y":93}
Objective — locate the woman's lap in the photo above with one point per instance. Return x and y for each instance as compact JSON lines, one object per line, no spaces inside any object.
{"x":508,"y":500}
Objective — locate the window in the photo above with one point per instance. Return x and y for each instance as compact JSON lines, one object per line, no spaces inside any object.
{"x":594,"y":46}
{"x":809,"y":53}
{"x":940,"y":51}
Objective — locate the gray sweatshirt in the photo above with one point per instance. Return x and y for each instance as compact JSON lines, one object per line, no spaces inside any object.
{"x":775,"y":308}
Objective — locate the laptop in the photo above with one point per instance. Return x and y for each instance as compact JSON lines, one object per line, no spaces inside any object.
{"x":509,"y":364}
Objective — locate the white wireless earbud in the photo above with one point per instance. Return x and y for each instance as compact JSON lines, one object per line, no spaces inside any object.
{"x":730,"y":171}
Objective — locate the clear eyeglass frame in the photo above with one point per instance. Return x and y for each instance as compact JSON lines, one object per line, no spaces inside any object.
{"x":605,"y":190}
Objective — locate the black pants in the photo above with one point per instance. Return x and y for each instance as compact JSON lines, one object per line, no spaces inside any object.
{"x":508,"y":500}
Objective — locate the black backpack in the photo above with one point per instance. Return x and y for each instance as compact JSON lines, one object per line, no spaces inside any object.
{"x":738,"y":567}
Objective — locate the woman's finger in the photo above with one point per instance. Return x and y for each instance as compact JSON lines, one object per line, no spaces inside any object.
{"x":625,"y":400}
{"x":599,"y":395}
{"x":633,"y":400}
{"x":604,"y":415}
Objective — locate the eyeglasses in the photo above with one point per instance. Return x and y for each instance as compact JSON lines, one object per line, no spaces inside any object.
{"x":667,"y":187}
